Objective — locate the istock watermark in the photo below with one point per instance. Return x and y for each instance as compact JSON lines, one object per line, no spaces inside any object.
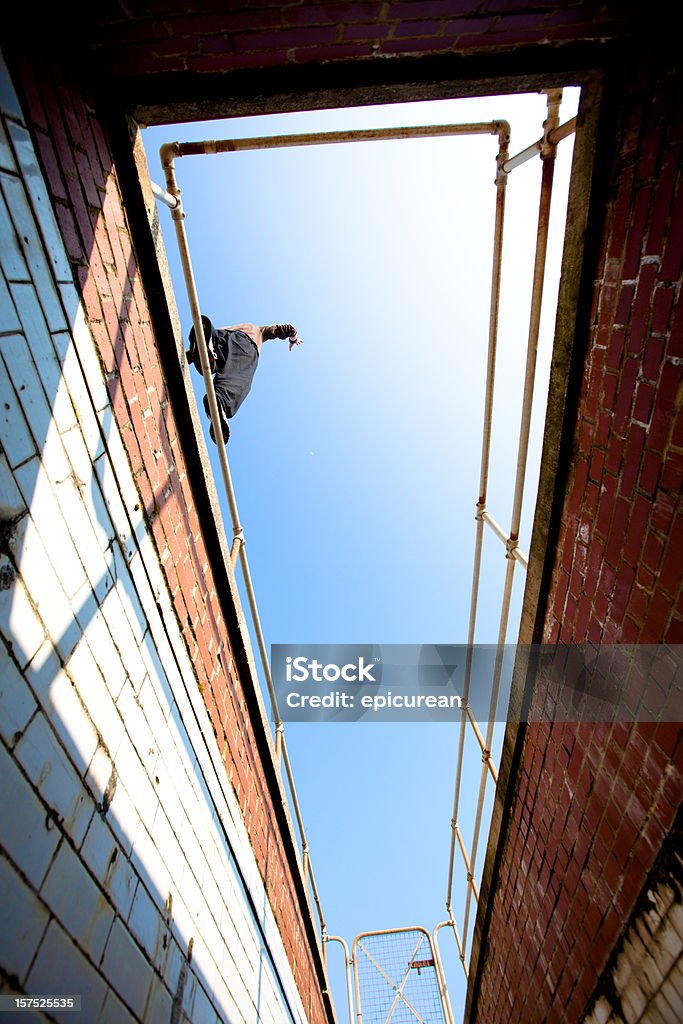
{"x":441,"y":682}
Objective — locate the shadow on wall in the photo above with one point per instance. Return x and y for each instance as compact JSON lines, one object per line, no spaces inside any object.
{"x":119,"y":831}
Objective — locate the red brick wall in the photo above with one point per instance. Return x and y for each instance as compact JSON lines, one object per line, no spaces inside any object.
{"x":82,"y":177}
{"x":593,"y":803}
{"x":618,"y":577}
{"x":235,"y":36}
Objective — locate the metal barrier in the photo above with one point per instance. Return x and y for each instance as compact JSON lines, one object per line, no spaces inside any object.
{"x":398,"y":977}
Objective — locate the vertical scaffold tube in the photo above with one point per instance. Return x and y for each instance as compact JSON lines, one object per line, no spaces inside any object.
{"x":501,"y":182}
{"x":168,"y":154}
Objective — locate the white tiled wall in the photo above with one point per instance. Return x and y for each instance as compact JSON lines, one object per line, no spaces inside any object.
{"x":121,"y":844}
{"x":647,"y":977}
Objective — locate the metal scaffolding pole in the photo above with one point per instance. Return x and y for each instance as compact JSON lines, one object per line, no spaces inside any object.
{"x":501,"y":182}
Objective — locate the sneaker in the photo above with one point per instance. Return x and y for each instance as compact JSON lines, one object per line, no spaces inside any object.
{"x":192,"y":352}
{"x":224,"y":422}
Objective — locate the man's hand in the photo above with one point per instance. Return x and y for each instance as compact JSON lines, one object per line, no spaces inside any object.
{"x":295,"y":341}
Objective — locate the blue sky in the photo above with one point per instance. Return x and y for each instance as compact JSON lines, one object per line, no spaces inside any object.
{"x":356,"y":457}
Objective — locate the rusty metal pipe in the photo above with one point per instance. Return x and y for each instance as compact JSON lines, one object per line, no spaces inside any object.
{"x":213,"y":146}
{"x":554,"y":136}
{"x":494,"y":307}
{"x":532,"y":347}
{"x":178,"y":216}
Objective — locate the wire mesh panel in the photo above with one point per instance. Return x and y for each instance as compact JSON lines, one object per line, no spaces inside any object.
{"x":396,"y":978}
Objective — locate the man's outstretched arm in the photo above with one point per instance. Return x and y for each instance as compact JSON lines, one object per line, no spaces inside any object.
{"x":283,"y":331}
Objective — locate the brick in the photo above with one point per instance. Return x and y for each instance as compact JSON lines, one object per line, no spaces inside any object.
{"x":603,"y":428}
{"x":25,"y":832}
{"x":617,"y":531}
{"x":414,"y":29}
{"x":606,"y":504}
{"x":654,"y":627}
{"x":87,"y":918}
{"x":107,"y":859}
{"x":47,"y":766}
{"x":283,"y":39}
{"x":607,"y":303}
{"x":430,"y":9}
{"x":24,"y":920}
{"x":661,"y":309}
{"x":22,"y":628}
{"x":672,"y":470}
{"x":145,"y":923}
{"x":7,"y":161}
{"x":670,"y":573}
{"x":649,"y":472}
{"x":652,"y":358}
{"x":421,"y":45}
{"x":624,"y":396}
{"x":616,"y":349}
{"x":636,"y":230}
{"x":622,"y":591}
{"x":17,"y":703}
{"x":666,"y":398}
{"x":634,"y":449}
{"x":645,"y":395}
{"x":663,"y":512}
{"x":49,"y":523}
{"x":332,"y":13}
{"x":32,"y":249}
{"x":637,"y":526}
{"x":41,"y":206}
{"x":11,"y":254}
{"x":61,"y":967}
{"x":113,"y":1011}
{"x":663,"y":201}
{"x":673,"y":251}
{"x":620,"y":214}
{"x":652,"y":552}
{"x":371,"y":32}
{"x":623,"y":310}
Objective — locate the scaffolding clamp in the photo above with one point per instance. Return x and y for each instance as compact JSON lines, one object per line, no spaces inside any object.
{"x":551,"y":124}
{"x":511,"y":545}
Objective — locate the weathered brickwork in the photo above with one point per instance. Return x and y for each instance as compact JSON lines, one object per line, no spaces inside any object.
{"x":618,"y":575}
{"x":240,"y":36}
{"x":646,"y":973}
{"x":85,"y":208}
{"x":593,"y":803}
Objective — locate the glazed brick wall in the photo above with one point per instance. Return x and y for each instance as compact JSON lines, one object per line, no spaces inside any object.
{"x":158,"y":37}
{"x":81,"y":175}
{"x":593,"y":803}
